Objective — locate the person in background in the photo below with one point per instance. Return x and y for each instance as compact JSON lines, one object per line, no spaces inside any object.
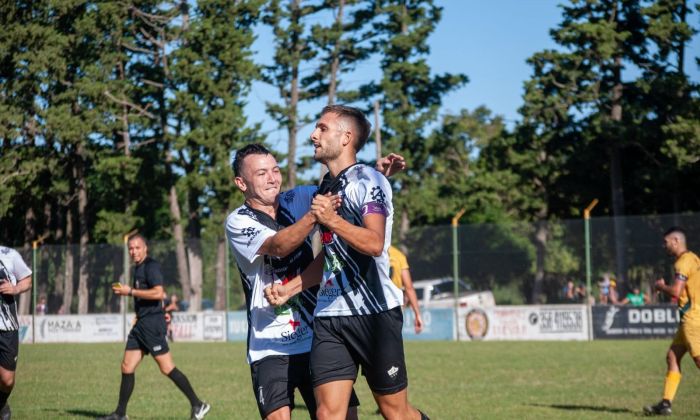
{"x":41,"y":306}
{"x":686,"y":289}
{"x":15,"y":278}
{"x":635,"y":298}
{"x":148,"y":334}
{"x":171,"y":305}
{"x":401,"y":276}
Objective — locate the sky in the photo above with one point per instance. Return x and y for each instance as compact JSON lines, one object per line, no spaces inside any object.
{"x":487,"y":40}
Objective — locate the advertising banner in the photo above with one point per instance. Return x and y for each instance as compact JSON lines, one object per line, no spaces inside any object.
{"x":546,"y":322}
{"x":650,"y":321}
{"x":25,"y":328}
{"x":438,"y":324}
{"x":237,"y":329}
{"x":198,"y":326}
{"x":78,"y":328}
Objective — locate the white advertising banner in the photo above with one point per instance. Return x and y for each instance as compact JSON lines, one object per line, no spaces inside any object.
{"x":537,"y":322}
{"x":198,"y":326}
{"x":94,"y":328}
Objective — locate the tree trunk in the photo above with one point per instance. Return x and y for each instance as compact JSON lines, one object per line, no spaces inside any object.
{"x":335,"y":63}
{"x":180,"y":250}
{"x":194,"y":258}
{"x":616,"y":187}
{"x":220,"y":300}
{"x":83,"y":297}
{"x":541,"y":235}
{"x":69,"y":264}
{"x":29,"y":236}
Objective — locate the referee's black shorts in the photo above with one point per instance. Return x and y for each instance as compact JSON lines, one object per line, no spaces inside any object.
{"x":342,"y":343}
{"x":9,"y":349}
{"x":149,"y":335}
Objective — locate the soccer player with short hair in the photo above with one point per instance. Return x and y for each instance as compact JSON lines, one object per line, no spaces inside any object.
{"x":15,"y":278}
{"x":270,"y":238}
{"x":685,"y":288}
{"x":148,"y":334}
{"x":358,"y":317}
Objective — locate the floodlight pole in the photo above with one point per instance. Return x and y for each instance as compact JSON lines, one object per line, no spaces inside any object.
{"x":35,"y":271}
{"x":587,"y":227}
{"x":455,"y":266}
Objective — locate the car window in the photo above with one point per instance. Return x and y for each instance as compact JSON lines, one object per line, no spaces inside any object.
{"x":419,"y":293}
{"x":447,"y":286}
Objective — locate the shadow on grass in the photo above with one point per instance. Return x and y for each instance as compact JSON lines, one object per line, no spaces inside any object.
{"x":583,"y":407}
{"x":86,"y":413}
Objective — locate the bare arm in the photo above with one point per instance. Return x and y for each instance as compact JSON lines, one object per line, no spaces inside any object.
{"x":674,"y":290}
{"x":367,"y":239}
{"x":410,"y":291}
{"x":278,"y":293}
{"x":154,"y":293}
{"x":6,"y":288}
{"x":288,"y":239}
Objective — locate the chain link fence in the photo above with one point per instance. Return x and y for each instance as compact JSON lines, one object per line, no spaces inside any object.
{"x":520,"y":263}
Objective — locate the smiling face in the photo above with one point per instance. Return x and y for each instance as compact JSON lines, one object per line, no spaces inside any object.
{"x":260,"y":179}
{"x":329,"y":137}
{"x":137,"y":250}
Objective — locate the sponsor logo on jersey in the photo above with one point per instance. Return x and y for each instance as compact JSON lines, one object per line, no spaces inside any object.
{"x":298,"y":333}
{"x":327,"y":238}
{"x":294,"y":323}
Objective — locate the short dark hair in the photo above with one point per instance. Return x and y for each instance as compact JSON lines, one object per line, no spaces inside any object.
{"x":358,"y":118}
{"x":137,"y":236}
{"x":249,"y":149}
{"x":674,"y":229}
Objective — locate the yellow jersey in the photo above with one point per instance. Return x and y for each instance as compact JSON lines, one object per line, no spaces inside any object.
{"x":687,"y":270}
{"x":397,"y":263}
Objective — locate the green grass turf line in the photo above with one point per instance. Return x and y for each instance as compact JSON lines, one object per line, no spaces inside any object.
{"x":478,"y":380}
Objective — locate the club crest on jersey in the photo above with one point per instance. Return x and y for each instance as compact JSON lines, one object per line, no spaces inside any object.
{"x":332,"y":264}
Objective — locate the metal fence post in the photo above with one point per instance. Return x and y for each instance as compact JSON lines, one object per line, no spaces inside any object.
{"x":35,"y":245}
{"x":227,"y":274}
{"x":455,"y":267}
{"x":587,"y":228}
{"x":123,"y":300}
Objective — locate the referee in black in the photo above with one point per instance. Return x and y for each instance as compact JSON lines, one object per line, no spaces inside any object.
{"x":149,"y":332}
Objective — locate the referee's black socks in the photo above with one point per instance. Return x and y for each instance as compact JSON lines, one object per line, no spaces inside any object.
{"x":125,"y":389}
{"x":184,"y":385}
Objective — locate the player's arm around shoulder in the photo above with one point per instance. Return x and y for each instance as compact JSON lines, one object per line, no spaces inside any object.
{"x":288,"y":239}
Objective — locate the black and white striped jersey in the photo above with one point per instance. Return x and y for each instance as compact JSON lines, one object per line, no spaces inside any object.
{"x":354,"y":283}
{"x":12,"y":269}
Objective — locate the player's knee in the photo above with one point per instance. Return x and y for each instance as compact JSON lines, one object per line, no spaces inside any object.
{"x":324,"y":412}
{"x":7,"y":381}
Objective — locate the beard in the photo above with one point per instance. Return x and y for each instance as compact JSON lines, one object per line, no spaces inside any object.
{"x":326,"y":154}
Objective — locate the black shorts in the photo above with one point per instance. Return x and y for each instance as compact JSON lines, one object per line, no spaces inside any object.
{"x":274,"y":380}
{"x":9,"y":349}
{"x":341,"y":343}
{"x":148,"y":335}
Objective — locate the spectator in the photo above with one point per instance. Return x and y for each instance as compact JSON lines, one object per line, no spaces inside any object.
{"x":401,"y":277}
{"x":569,"y":292}
{"x":635,"y":298}
{"x":41,"y":306}
{"x":171,"y":305}
{"x":613,"y":296}
{"x":604,"y":289}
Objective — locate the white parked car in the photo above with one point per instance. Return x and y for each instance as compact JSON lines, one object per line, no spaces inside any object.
{"x":438,"y":293}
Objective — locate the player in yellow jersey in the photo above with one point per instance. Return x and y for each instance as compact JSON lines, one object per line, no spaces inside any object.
{"x":685,"y":288}
{"x":401,"y":277}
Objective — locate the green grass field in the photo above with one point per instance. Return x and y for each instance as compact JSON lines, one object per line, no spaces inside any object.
{"x":483,"y":380}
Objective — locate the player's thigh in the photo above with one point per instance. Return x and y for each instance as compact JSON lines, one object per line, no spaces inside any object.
{"x":691,"y":335}
{"x":131,"y":360}
{"x":271,"y":385}
{"x":379,"y":346}
{"x":333,"y":399}
{"x":393,"y":406}
{"x":9,"y":352}
{"x":331,"y":358}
